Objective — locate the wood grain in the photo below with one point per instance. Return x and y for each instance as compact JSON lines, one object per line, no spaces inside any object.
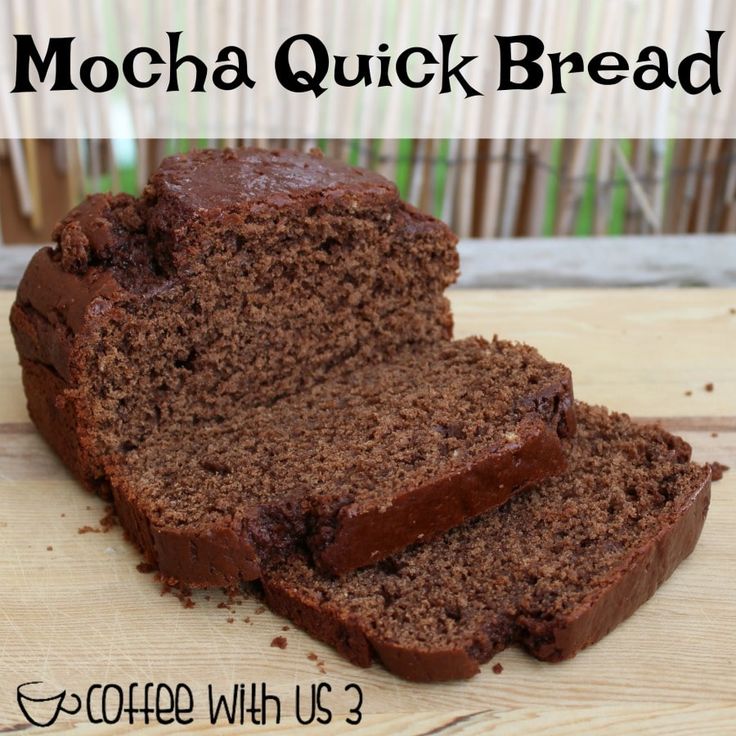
{"x":81,"y":613}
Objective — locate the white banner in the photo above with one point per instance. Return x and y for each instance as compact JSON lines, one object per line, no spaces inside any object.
{"x":232,"y":69}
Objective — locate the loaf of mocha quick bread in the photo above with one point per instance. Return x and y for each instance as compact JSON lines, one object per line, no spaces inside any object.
{"x":255,"y":357}
{"x":554,"y":569}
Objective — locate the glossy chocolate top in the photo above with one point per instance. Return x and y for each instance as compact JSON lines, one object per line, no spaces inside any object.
{"x":233,"y":178}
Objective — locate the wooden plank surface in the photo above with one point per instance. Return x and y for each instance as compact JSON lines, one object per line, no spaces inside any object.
{"x":80,"y":613}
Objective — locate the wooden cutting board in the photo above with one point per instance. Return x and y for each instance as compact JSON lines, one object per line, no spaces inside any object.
{"x":74,"y":610}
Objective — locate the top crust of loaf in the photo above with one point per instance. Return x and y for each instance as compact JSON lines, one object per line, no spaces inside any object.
{"x":205,"y":198}
{"x":212,"y":181}
{"x":201,"y":201}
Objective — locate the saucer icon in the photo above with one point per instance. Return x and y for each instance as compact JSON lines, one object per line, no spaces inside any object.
{"x":41,"y":708}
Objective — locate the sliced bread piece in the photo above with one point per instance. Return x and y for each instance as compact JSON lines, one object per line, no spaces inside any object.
{"x":351,"y":469}
{"x":555,"y":569}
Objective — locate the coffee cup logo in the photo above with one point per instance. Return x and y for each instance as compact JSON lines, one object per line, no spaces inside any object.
{"x":41,"y":708}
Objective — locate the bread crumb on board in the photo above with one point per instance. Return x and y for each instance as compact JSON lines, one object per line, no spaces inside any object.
{"x":313,"y":657}
{"x":717,"y":470}
{"x":183,"y":594}
{"x":107,"y":522}
{"x":281,"y":642}
{"x":497,"y":668}
{"x":86,"y":529}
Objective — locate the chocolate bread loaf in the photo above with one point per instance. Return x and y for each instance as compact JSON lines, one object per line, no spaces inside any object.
{"x":238,"y":278}
{"x":256,"y":355}
{"x":554,"y":569}
{"x":351,"y":469}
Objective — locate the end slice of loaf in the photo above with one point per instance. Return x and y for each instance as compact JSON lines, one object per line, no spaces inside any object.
{"x":352,"y":469}
{"x":554,"y":569}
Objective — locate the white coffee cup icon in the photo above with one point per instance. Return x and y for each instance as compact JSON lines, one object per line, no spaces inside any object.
{"x":42,"y":709}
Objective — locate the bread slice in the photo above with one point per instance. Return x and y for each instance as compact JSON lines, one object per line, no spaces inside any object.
{"x":554,"y":569}
{"x":238,"y":278}
{"x":351,"y":469}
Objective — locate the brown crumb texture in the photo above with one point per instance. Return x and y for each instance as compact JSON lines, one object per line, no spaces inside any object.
{"x":497,"y":668}
{"x":351,"y":448}
{"x":49,"y":548}
{"x":554,"y":569}
{"x":281,"y":642}
{"x":709,"y":387}
{"x":145,"y":567}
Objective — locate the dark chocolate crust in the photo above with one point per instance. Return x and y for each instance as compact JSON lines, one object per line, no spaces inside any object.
{"x":215,"y":180}
{"x":54,"y":308}
{"x":192,"y":195}
{"x":219,"y":557}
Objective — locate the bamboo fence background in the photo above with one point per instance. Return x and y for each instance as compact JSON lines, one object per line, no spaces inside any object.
{"x":484,"y":188}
